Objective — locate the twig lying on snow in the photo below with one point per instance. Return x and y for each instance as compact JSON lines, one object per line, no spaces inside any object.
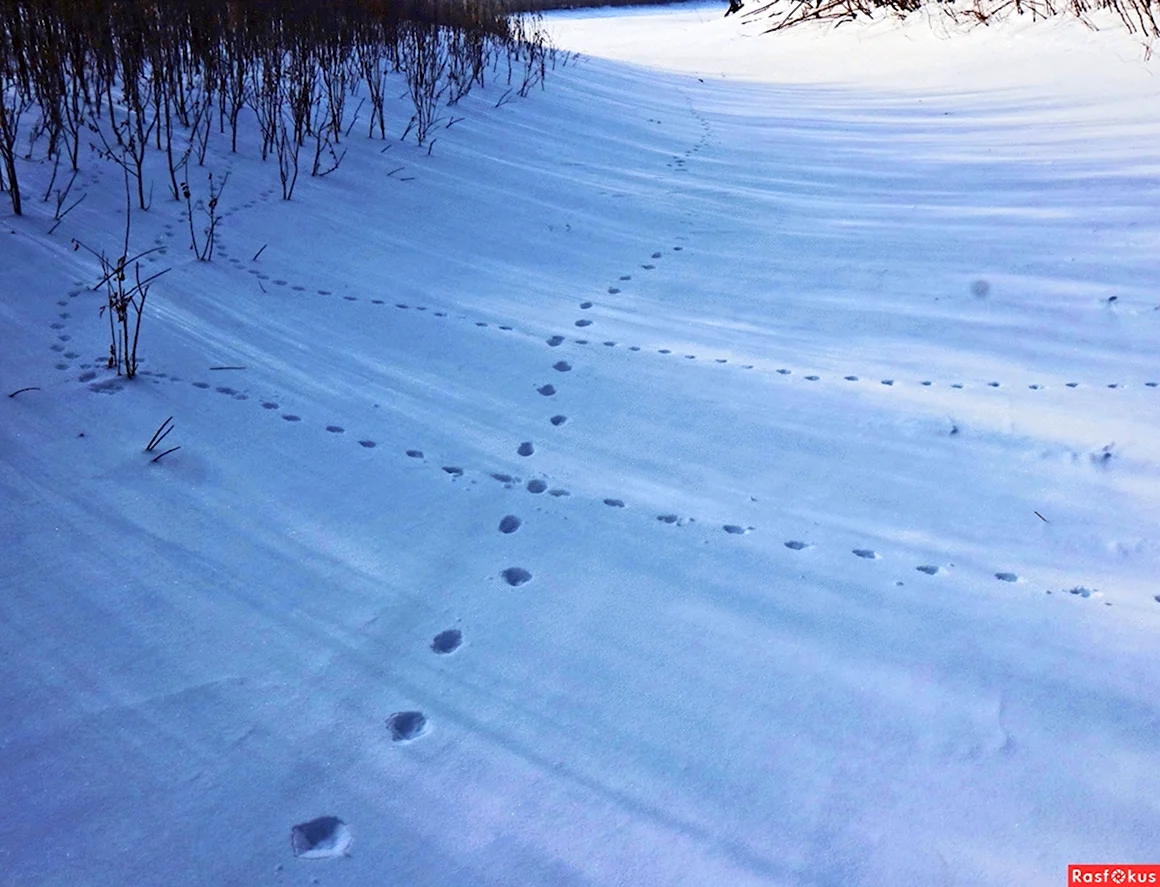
{"x":166,"y":453}
{"x":22,"y":390}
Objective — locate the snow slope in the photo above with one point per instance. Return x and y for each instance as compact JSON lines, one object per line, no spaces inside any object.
{"x":809,"y":380}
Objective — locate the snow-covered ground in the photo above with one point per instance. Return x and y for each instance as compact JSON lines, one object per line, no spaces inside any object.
{"x":775,"y":419}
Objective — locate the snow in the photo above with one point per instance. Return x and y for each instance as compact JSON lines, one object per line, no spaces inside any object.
{"x":843,"y":566}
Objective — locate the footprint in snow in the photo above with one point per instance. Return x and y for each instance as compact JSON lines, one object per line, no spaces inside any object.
{"x":547,"y":390}
{"x":667,"y":518}
{"x":558,"y":420}
{"x":851,"y":378}
{"x":509,"y":523}
{"x":866,"y":553}
{"x":536,"y":486}
{"x":615,"y":503}
{"x":202,"y":385}
{"x":613,"y":290}
{"x":648,"y":267}
{"x":656,"y":255}
{"x":369,"y":444}
{"x":526,"y":448}
{"x":584,"y":323}
{"x":785,"y":372}
{"x":335,"y":429}
{"x":736,"y":530}
{"x":415,"y":454}
{"x":453,"y":470}
{"x":326,"y":837}
{"x":929,"y":569}
{"x":626,"y":277}
{"x":290,"y":417}
{"x":556,"y":340}
{"x":1006,"y":577}
{"x":561,"y":366}
{"x":447,"y":641}
{"x":794,"y":545}
{"x":407,"y":725}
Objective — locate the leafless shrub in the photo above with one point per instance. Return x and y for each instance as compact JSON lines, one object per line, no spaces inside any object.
{"x":125,"y":291}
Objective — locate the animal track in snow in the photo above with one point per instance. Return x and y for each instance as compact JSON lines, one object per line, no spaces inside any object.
{"x":509,"y":523}
{"x":290,"y":417}
{"x":736,"y":530}
{"x":516,"y":576}
{"x":547,"y":390}
{"x":335,"y":429}
{"x":556,"y":340}
{"x":866,"y":553}
{"x":415,"y":454}
{"x":558,"y":420}
{"x":453,"y":470}
{"x":613,"y":290}
{"x":929,"y":569}
{"x":536,"y":486}
{"x":326,"y":837}
{"x":1006,"y":577}
{"x":447,"y":641}
{"x":615,"y":503}
{"x":584,"y":322}
{"x":585,"y":305}
{"x":407,"y":725}
{"x":526,"y":448}
{"x":369,"y":444}
{"x":794,"y":545}
{"x":562,"y":366}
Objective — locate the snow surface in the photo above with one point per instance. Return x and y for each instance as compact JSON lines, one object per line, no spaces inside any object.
{"x":844,"y":566}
